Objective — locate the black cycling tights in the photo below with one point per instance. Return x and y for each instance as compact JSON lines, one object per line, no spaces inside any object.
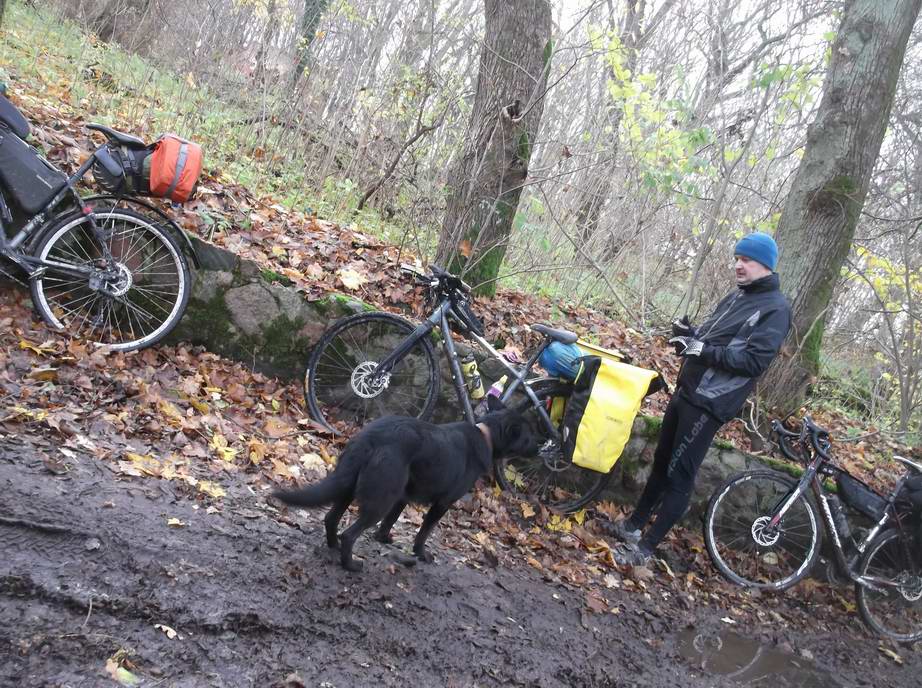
{"x":684,"y":440}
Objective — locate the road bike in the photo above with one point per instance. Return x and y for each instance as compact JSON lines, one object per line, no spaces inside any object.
{"x":373,"y":364}
{"x":113,"y":275}
{"x":762,"y":530}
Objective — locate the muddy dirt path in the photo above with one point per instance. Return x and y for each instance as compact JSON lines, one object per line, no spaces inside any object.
{"x":93,"y":570}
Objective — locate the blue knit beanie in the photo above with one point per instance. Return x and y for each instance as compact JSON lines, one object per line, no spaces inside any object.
{"x":760,"y":247}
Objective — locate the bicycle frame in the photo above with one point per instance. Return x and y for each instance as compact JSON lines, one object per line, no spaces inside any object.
{"x":10,"y":247}
{"x":812,"y":480}
{"x":439,"y":319}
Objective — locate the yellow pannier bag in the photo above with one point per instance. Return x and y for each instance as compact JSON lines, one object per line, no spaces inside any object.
{"x":595,"y":350}
{"x":600,"y":412}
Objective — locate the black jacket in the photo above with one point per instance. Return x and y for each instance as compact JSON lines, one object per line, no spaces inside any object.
{"x":741,"y":339}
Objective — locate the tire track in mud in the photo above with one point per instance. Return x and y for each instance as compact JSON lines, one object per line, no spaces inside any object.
{"x":45,"y":543}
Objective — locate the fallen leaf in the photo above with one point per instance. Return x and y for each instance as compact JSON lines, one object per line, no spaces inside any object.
{"x":351,"y":279}
{"x":596,"y":604}
{"x":120,"y":674}
{"x":313,"y":462}
{"x":175,"y":523}
{"x":211,"y":489}
{"x":276,"y":428}
{"x":46,"y":374}
{"x":891,"y":654}
{"x":40,"y":349}
{"x":219,"y":444}
{"x":144,"y":463}
{"x":170,"y":633}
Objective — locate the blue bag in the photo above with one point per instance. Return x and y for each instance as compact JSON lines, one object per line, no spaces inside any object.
{"x":560,"y":360}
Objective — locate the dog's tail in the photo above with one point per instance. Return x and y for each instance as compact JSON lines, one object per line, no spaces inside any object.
{"x":335,"y":486}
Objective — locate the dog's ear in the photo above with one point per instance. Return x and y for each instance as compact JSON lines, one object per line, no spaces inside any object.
{"x":494,"y":404}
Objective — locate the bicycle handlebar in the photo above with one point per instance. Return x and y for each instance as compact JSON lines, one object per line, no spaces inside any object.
{"x":819,"y":438}
{"x":784,"y":435}
{"x":437,"y":277}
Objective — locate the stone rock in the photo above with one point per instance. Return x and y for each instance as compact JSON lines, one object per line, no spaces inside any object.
{"x":209,"y":283}
{"x":251,"y":307}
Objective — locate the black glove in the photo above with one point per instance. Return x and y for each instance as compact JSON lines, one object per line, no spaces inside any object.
{"x":687,"y":346}
{"x":682,"y":328}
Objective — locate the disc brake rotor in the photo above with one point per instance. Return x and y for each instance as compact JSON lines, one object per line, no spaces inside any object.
{"x":911,"y":587}
{"x":365,"y":383}
{"x":764,"y":535}
{"x":552,"y":456}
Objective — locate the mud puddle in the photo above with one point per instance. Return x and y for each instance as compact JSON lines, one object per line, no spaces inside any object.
{"x":747,"y":662}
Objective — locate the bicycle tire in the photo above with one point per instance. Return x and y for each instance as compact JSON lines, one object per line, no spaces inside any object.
{"x":548,"y":477}
{"x":757,"y":571}
{"x":154,"y":280}
{"x":340,"y":400}
{"x":906,"y":599}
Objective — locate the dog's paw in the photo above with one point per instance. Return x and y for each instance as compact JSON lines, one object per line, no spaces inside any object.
{"x":424,"y":555}
{"x":402,"y":558}
{"x":385,"y":538}
{"x":333,"y":543}
{"x":354,"y":565}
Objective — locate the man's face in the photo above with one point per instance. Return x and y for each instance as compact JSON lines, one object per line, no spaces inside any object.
{"x":749,"y":270}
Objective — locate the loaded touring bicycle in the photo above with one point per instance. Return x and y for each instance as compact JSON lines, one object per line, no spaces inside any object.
{"x":96,"y":269}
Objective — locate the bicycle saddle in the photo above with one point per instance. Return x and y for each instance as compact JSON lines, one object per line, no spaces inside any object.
{"x":562,"y":336}
{"x":118,"y":137}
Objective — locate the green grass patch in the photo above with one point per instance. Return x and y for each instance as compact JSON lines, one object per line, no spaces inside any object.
{"x":46,"y":57}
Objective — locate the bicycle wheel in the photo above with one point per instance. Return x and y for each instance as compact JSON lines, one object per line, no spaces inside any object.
{"x":130,"y":304}
{"x":893,"y":606}
{"x":742,"y":545}
{"x":338,"y":382}
{"x":549,"y":477}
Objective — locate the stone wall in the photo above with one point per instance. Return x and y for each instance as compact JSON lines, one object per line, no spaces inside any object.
{"x":254,"y":316}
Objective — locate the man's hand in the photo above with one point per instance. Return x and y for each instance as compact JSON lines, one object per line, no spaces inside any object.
{"x":682,"y":328}
{"x":687,"y":346}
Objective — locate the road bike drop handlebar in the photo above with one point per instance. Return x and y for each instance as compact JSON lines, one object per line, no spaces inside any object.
{"x":817,"y":436}
{"x":438,"y":278}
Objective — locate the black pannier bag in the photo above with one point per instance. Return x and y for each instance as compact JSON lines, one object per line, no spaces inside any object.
{"x":26,"y":176}
{"x":123,"y":170}
{"x":860,"y":497}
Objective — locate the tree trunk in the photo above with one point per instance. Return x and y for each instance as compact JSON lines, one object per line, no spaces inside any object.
{"x":116,"y":17}
{"x":828,"y":191}
{"x":489,"y":177}
{"x":307,"y":30}
{"x":599,"y":177}
{"x":2,"y":7}
{"x":262,"y":53}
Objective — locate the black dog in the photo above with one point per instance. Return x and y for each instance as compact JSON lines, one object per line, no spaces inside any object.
{"x":396,"y":460}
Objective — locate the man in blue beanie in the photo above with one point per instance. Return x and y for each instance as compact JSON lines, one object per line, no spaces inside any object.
{"x":722,"y":359}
